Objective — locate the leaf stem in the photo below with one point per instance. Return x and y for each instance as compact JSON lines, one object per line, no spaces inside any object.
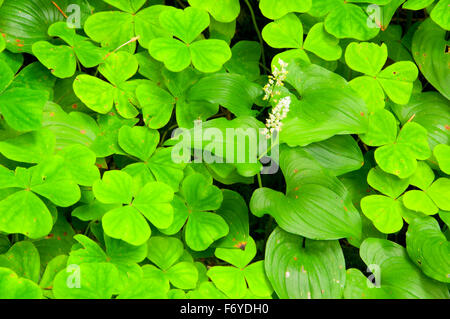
{"x":259,"y":180}
{"x":255,"y":24}
{"x":181,"y":4}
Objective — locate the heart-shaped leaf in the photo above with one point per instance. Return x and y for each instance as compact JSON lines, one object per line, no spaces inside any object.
{"x":86,"y":281}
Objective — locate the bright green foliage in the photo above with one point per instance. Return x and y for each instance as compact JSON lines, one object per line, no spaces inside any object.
{"x":287,"y":32}
{"x":396,"y":80}
{"x":396,"y":276}
{"x":291,"y":260}
{"x":128,"y":222}
{"x":429,"y":248}
{"x":214,"y":149}
{"x":61,"y":60}
{"x":187,"y":25}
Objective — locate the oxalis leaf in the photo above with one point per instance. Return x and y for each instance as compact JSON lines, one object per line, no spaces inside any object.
{"x":316,"y":205}
{"x":287,"y":32}
{"x":222,"y":10}
{"x":30,"y":215}
{"x":181,"y":274}
{"x":86,"y":281}
{"x":206,"y":55}
{"x":128,"y":222}
{"x":115,"y":28}
{"x":13,"y":287}
{"x":100,"y":96}
{"x":398,"y":154}
{"x":61,"y":60}
{"x":396,"y":80}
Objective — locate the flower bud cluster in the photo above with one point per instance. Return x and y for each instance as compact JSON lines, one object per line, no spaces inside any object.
{"x":280,"y":111}
{"x":275,"y":80}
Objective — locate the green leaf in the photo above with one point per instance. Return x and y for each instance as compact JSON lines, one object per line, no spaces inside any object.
{"x":429,"y":109}
{"x":96,"y":280}
{"x":387,"y":184}
{"x":23,"y":212}
{"x":209,"y":56}
{"x":54,"y":266}
{"x":153,"y":201}
{"x":115,"y":187}
{"x":273,"y":9}
{"x":233,"y":91}
{"x":203,"y":228}
{"x":439,"y":192}
{"x":52,"y":179}
{"x":366,"y":57}
{"x":23,"y":259}
{"x":342,"y":112}
{"x":235,"y":212}
{"x":245,"y":59}
{"x":58,"y":242}
{"x":423,"y":176}
{"x":239,"y":257}
{"x":417,"y":4}
{"x":420,"y":202}
{"x":22,"y":108}
{"x":228,"y":279}
{"x":164,"y":251}
{"x":175,"y":54}
{"x":398,"y":277}
{"x":138,"y":141}
{"x":339,"y":154}
{"x":429,"y":51}
{"x":25,"y":23}
{"x":257,"y":281}
{"x":400,"y":157}
{"x":440,"y":14}
{"x":296,"y":271}
{"x":157,"y":104}
{"x":32,"y":147}
{"x":347,"y":20}
{"x":221,"y":10}
{"x":442,"y":154}
{"x":13,"y":287}
{"x":316,"y":204}
{"x":185,"y":24}
{"x":128,"y":224}
{"x":286,"y":32}
{"x":428,"y":248}
{"x":81,"y":161}
{"x":119,"y":67}
{"x":130,"y":6}
{"x":60,"y":59}
{"x":200,"y":194}
{"x":7,"y":76}
{"x":397,"y":81}
{"x":384,"y":212}
{"x":183,"y":275}
{"x":322,"y":44}
{"x":95,"y":93}
{"x":2,"y":44}
{"x":371,"y":91}
{"x":111,"y":29}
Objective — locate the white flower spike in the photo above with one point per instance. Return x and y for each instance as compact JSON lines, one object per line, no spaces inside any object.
{"x":280,"y":111}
